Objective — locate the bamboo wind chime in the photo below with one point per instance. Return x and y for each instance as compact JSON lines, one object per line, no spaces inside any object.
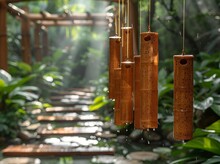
{"x":183,"y":91}
{"x":141,"y":71}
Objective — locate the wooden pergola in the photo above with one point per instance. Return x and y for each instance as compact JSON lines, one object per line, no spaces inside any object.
{"x":41,"y":22}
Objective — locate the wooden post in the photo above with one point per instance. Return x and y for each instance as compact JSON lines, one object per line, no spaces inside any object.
{"x":25,"y":40}
{"x":3,"y":36}
{"x":37,"y":47}
{"x":45,"y":41}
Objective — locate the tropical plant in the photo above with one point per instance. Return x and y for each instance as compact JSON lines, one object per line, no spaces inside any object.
{"x":14,"y":95}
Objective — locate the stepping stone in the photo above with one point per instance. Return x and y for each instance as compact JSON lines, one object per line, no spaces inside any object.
{"x":79,"y":93}
{"x":82,"y":89}
{"x":70,"y":97}
{"x":143,"y":156}
{"x":20,"y":160}
{"x":68,"y":118}
{"x":50,"y":150}
{"x":70,"y":131}
{"x":66,"y":109}
{"x":67,"y":102}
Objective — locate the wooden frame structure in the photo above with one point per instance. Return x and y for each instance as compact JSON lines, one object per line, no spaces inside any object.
{"x":41,"y":22}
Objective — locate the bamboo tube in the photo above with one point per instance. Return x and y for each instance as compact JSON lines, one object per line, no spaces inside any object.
{"x":137,"y":101}
{"x":183,"y":97}
{"x":149,"y":80}
{"x":126,"y":102}
{"x":117,"y":111}
{"x":114,"y":62}
{"x":127,"y":44}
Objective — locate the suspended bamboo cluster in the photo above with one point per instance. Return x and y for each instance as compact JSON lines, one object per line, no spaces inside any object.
{"x":133,"y":83}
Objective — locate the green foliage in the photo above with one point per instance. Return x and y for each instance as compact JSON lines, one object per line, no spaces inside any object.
{"x":98,"y":103}
{"x":14,"y":94}
{"x":207,"y":140}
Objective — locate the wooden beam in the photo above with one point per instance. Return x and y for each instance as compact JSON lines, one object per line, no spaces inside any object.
{"x":25,"y":39}
{"x":74,"y":16}
{"x":14,"y":10}
{"x":16,"y":1}
{"x":3,"y":36}
{"x":74,"y":23}
{"x":37,"y":45}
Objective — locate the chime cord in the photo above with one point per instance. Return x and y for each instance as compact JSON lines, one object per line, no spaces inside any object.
{"x":149,"y":14}
{"x":184,"y":25}
{"x":140,"y":15}
{"x":119,"y":17}
{"x":128,"y":35}
{"x":128,"y":14}
{"x":116,"y":25}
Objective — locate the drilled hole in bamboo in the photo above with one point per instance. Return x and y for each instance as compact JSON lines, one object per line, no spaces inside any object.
{"x":183,"y":97}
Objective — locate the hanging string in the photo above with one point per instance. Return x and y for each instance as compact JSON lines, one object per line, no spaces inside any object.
{"x":140,"y":23}
{"x":119,"y":17}
{"x":123,"y":13}
{"x":128,"y":6}
{"x":149,"y":15}
{"x":128,"y":13}
{"x":140,"y":15}
{"x":184,"y":24}
{"x":116,"y":25}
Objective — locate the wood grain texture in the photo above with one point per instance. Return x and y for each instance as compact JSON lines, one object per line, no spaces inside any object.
{"x":114,"y":62}
{"x":117,"y":109}
{"x":183,"y":97}
{"x":127,"y":80}
{"x":149,"y":80}
{"x":137,"y":101}
{"x":3,"y":36}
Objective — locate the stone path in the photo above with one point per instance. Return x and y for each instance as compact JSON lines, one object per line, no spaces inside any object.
{"x":57,"y":138}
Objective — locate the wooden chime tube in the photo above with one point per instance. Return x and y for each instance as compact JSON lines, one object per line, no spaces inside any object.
{"x":183,"y":97}
{"x":114,"y":62}
{"x":117,"y":111}
{"x":137,"y":101}
{"x":126,"y":101}
{"x":149,"y":80}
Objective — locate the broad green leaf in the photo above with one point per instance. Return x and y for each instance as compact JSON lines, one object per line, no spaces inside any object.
{"x":99,"y":99}
{"x":18,"y":83}
{"x":203,"y":105}
{"x":23,"y":94}
{"x":29,"y":88}
{"x":24,"y":67}
{"x":214,"y":159}
{"x":182,"y":160}
{"x":216,"y":109}
{"x":204,"y":143}
{"x":202,"y":132}
{"x":164,"y":89}
{"x":5,"y":76}
{"x":215,"y":126}
{"x":97,"y":106}
{"x":2,"y":83}
{"x":34,"y":105}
